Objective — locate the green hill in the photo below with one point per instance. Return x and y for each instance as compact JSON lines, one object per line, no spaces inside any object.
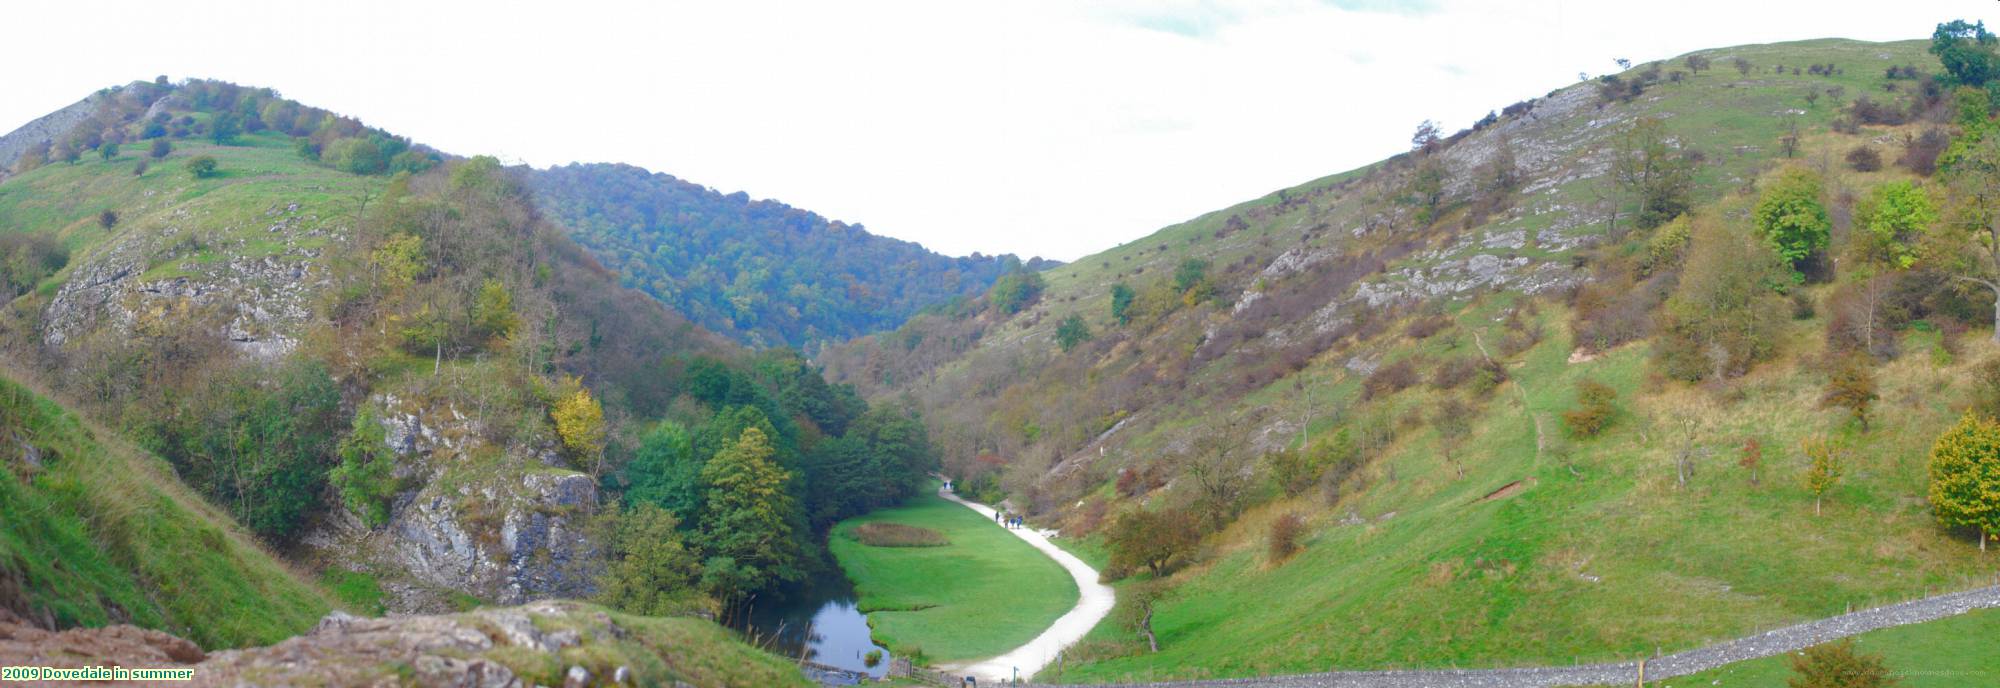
{"x":1390,"y":353}
{"x":763,"y":272}
{"x":385,"y":362}
{"x":94,"y":531}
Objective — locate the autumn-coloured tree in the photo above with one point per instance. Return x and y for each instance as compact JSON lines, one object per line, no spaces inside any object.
{"x":1151,"y":538}
{"x":580,"y":423}
{"x":1837,"y":665}
{"x":1751,"y":457}
{"x":1823,"y":468}
{"x":1965,"y":476}
{"x":1594,"y":409}
{"x":1852,"y":387}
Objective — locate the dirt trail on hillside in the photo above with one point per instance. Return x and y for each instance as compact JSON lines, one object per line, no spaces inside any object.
{"x":1094,"y":601}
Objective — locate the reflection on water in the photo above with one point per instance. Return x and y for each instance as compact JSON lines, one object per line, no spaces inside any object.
{"x":822,"y":624}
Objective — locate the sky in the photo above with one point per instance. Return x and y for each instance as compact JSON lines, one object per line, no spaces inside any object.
{"x":1056,"y":128}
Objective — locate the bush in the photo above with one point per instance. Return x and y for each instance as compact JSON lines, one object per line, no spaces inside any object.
{"x":1422,"y":328}
{"x":1015,"y":291}
{"x":880,"y":534}
{"x":107,"y":219}
{"x":1389,"y":378}
{"x":1852,"y":387}
{"x":1920,"y":154}
{"x":201,"y":166}
{"x":27,"y":258}
{"x":139,"y":168}
{"x":1285,"y":533}
{"x":160,"y":149}
{"x":366,"y":476}
{"x":1071,"y":332}
{"x":1986,"y":388}
{"x":1864,"y":159}
{"x":1594,"y":409}
{"x":1837,"y":665}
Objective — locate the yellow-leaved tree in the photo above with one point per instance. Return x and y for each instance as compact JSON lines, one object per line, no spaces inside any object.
{"x":580,"y":422}
{"x":1965,"y":476}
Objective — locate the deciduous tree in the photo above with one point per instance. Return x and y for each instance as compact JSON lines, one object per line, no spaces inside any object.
{"x":1823,"y":468}
{"x":747,"y":513}
{"x":1965,"y":476}
{"x":1791,"y":218}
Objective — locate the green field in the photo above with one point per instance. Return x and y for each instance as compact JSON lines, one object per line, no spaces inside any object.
{"x":985,"y":593}
{"x":1947,"y":653}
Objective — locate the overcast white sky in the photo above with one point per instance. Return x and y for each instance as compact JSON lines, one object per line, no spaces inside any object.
{"x":1039,"y":127}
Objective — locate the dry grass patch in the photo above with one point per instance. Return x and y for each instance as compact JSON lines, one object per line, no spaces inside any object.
{"x":897,"y":535}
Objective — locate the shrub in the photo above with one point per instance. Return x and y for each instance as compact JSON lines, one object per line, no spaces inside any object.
{"x":366,"y":477}
{"x":1837,"y":665}
{"x":1285,"y":533}
{"x":1389,"y":378}
{"x":201,"y":166}
{"x":1071,"y":332}
{"x":139,"y":168}
{"x":1015,"y":291}
{"x":1422,"y":328}
{"x":1594,"y":409}
{"x":1986,"y":388}
{"x":1852,"y":387}
{"x":107,"y":219}
{"x":880,"y":534}
{"x":107,"y":151}
{"x":1920,"y":153}
{"x":1864,"y":159}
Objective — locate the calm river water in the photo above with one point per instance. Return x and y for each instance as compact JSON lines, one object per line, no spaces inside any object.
{"x":821,"y":622}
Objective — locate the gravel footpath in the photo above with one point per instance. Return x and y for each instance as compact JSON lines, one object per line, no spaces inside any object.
{"x":1779,"y":641}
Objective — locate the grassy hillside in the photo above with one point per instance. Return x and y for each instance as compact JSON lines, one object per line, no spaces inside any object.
{"x":94,"y":531}
{"x":984,"y":593}
{"x":762,"y":271}
{"x":1393,"y":364}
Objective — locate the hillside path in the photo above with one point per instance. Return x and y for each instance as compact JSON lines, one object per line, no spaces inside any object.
{"x":1774,"y":642}
{"x":1094,"y":601}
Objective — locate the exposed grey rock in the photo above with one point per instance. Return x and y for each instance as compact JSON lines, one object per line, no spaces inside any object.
{"x":44,"y":129}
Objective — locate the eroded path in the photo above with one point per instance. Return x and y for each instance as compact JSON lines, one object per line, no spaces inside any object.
{"x":1094,"y":601}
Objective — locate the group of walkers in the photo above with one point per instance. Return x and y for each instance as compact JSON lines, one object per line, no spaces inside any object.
{"x":1009,"y":520}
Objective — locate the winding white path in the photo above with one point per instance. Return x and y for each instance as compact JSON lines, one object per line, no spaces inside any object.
{"x":1093,"y":603}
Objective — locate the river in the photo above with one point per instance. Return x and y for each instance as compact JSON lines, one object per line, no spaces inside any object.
{"x":821,"y":622}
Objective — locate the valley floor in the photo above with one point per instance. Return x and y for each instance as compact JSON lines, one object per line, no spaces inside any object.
{"x":1092,"y":606}
{"x":984,"y":593}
